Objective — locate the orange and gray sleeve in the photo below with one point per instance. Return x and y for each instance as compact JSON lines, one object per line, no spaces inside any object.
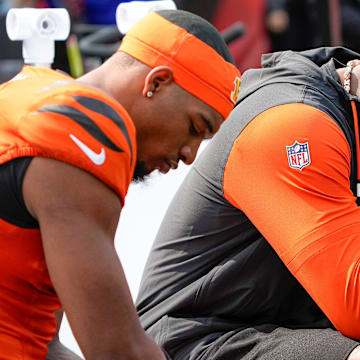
{"x":81,"y":127}
{"x":289,"y":171}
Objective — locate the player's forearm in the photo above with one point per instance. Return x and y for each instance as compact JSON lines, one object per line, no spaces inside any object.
{"x":92,"y":287}
{"x":116,"y":323}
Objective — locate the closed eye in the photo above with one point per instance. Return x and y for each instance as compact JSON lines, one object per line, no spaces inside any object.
{"x":193,"y":130}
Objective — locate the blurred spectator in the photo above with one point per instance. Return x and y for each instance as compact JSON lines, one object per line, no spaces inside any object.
{"x":99,"y":12}
{"x":350,"y":18}
{"x":299,"y":25}
{"x":292,"y":24}
{"x":222,"y":14}
{"x":205,"y":10}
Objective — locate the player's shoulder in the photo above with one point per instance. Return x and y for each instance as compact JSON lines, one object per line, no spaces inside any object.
{"x":72,"y":93}
{"x":295,"y":119}
{"x":46,"y":90}
{"x":85,"y":104}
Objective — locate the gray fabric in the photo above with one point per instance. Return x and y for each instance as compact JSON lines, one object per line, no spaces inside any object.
{"x":281,"y":344}
{"x":262,"y":342}
{"x":211,"y":276}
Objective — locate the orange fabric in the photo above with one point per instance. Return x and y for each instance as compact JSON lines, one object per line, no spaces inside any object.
{"x":308,"y":216}
{"x":356,"y":130}
{"x":27,"y":297}
{"x":24,"y":131}
{"x":156,"y":41}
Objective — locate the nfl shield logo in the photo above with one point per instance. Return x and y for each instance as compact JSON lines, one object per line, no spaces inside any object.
{"x":298,"y":155}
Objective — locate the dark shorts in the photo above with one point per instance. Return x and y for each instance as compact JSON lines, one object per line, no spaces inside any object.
{"x":12,"y":205}
{"x":281,"y":343}
{"x":266,"y":342}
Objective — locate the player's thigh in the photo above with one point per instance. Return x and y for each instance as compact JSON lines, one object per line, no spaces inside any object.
{"x":264,"y":343}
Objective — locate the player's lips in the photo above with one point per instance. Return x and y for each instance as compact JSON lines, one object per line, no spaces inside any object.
{"x":173,"y":164}
{"x":167,"y":165}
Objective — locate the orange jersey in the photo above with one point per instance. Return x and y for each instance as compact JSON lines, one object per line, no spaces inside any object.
{"x":302,"y":203}
{"x":47,"y":114}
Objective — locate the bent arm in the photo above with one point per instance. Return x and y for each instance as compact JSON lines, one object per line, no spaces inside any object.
{"x":78,"y":216}
{"x":308,"y":215}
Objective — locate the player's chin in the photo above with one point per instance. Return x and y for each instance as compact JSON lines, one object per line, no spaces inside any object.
{"x":141,"y":172}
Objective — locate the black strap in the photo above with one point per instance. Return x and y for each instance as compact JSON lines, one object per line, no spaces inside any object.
{"x":12,"y":205}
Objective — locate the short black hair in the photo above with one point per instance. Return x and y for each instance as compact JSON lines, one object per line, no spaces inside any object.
{"x":200,"y":28}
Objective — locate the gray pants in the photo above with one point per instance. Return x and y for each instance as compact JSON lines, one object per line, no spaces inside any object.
{"x":281,"y":343}
{"x":266,"y":342}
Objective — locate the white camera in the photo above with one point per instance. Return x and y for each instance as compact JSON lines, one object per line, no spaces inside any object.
{"x":38,"y":29}
{"x":127,"y":14}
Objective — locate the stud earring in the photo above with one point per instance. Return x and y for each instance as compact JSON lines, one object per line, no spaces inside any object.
{"x":149,"y":94}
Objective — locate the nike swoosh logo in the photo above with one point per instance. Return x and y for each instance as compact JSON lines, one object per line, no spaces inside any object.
{"x":96,"y":158}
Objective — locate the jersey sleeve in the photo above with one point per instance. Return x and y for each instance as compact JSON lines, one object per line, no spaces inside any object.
{"x":83,"y":127}
{"x":288,"y":171}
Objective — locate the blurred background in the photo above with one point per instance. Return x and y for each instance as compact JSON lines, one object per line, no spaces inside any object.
{"x":269,"y":25}
{"x":262,"y":26}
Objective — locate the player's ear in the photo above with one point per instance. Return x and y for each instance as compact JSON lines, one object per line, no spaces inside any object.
{"x":157,"y":78}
